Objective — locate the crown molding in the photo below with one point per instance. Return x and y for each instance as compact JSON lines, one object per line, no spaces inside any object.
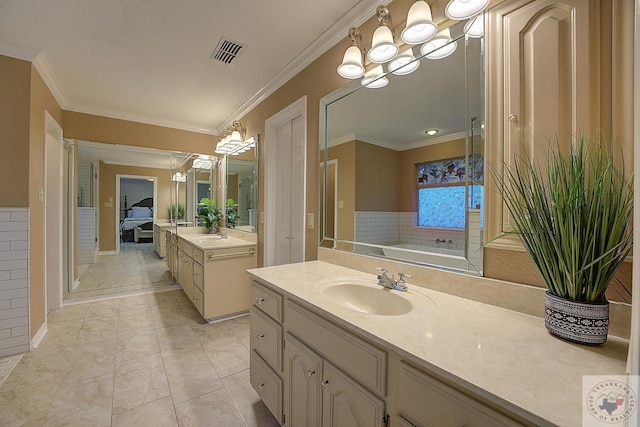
{"x":359,"y":14}
{"x":394,"y":145}
{"x":44,"y":68}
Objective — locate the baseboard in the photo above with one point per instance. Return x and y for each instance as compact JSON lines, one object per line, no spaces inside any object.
{"x":107,"y":253}
{"x":39,"y":336}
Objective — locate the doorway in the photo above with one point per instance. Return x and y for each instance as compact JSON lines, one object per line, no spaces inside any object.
{"x":54,"y":196}
{"x":285,"y":184}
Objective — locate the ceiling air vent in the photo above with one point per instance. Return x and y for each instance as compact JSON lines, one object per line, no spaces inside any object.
{"x":227,"y":51}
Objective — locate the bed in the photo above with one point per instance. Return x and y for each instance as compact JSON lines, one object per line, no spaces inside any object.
{"x":139,"y":215}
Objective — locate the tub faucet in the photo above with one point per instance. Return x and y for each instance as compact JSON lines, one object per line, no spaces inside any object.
{"x":222,"y":234}
{"x":390,"y":282}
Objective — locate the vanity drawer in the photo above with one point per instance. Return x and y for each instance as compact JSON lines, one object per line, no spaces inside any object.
{"x":362,"y":361}
{"x":266,"y":300}
{"x":198,"y":299}
{"x":267,"y":384}
{"x":186,"y":247}
{"x":198,"y":256}
{"x":198,"y":276}
{"x":427,"y":402}
{"x":266,"y":338}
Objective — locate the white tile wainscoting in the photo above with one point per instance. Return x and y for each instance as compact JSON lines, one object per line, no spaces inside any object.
{"x":14,"y":281}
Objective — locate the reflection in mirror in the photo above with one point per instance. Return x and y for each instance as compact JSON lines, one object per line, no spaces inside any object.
{"x":121,"y":192}
{"x":242,"y":187}
{"x":398,"y":163}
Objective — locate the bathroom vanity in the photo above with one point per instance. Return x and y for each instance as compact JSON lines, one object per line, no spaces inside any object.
{"x":211,"y":271}
{"x":331,"y":347}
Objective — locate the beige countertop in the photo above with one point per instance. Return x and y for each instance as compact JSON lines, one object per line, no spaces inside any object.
{"x":213,"y":241}
{"x":505,"y":356}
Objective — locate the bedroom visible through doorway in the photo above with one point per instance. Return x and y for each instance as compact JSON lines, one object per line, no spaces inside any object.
{"x":136,"y":196}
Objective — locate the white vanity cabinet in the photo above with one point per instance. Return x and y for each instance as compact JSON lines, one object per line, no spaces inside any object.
{"x":215,"y":279}
{"x":315,"y":372}
{"x":329,"y":376}
{"x":159,"y":240}
{"x":424,"y":401}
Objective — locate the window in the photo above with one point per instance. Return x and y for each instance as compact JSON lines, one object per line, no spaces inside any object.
{"x":442,"y":192}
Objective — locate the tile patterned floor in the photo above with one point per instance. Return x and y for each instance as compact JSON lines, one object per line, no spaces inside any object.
{"x":137,"y":267}
{"x":139,"y":361}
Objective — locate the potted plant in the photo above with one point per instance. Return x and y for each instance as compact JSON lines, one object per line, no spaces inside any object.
{"x":232,"y":215}
{"x":209,"y":215}
{"x":574,"y":217}
{"x":175,"y":211}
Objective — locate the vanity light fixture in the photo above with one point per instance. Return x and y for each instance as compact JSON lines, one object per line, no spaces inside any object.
{"x":405,"y":63}
{"x":420,"y":26}
{"x":431,"y":132}
{"x":383,"y":48}
{"x":439,"y":46}
{"x":464,"y":9}
{"x":375,"y":78}
{"x":475,"y":27}
{"x":233,"y":137}
{"x":352,"y":63}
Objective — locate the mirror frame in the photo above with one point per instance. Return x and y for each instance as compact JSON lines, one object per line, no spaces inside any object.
{"x":474,"y":263}
{"x":255,"y":194}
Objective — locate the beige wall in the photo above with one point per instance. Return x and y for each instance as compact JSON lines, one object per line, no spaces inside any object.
{"x":377,"y":173}
{"x":15,"y":87}
{"x":115,"y":131}
{"x":108,"y":173}
{"x":25,"y":98}
{"x":41,"y":100}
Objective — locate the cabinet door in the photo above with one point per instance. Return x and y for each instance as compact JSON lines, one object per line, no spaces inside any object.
{"x":345,"y":403}
{"x":541,"y":78}
{"x":427,"y":402}
{"x":303,"y":395}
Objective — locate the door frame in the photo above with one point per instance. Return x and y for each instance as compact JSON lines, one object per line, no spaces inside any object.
{"x":117,"y":211}
{"x":295,"y":109}
{"x":323,"y":183}
{"x":53,"y":216}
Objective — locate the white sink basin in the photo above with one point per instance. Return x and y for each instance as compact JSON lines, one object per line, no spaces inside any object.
{"x":368,"y":299}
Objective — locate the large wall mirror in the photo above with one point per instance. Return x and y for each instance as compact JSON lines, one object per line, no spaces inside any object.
{"x":241,"y":211}
{"x":389,"y":187}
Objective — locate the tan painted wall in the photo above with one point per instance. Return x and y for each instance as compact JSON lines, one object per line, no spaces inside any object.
{"x":377,"y":176}
{"x":107,"y":238}
{"x":115,"y":131}
{"x":41,"y":99}
{"x":15,"y":87}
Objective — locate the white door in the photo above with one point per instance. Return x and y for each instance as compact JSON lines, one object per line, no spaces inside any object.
{"x":285,"y":185}
{"x":53,"y":198}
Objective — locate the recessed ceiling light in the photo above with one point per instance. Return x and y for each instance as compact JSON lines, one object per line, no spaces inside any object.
{"x":431,"y":132}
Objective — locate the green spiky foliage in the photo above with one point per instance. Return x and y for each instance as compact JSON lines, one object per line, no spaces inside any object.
{"x":573,"y":215}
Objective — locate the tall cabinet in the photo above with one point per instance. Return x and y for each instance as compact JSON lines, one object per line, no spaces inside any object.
{"x":553,"y":67}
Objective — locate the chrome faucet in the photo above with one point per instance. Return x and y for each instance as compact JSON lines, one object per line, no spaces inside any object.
{"x":390,"y":282}
{"x":222,"y":234}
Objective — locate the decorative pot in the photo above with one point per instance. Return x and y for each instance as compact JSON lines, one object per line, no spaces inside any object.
{"x":213,"y":229}
{"x":578,"y":322}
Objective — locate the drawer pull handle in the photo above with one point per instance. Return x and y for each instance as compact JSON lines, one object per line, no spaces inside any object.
{"x":259,"y":300}
{"x":324,"y":383}
{"x":260,"y":336}
{"x":311,"y":374}
{"x":260,"y":386}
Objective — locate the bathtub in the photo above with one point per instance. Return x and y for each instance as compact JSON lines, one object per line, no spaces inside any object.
{"x":450,"y":258}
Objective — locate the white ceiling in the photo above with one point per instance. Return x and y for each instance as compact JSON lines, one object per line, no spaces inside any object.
{"x":148,"y":60}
